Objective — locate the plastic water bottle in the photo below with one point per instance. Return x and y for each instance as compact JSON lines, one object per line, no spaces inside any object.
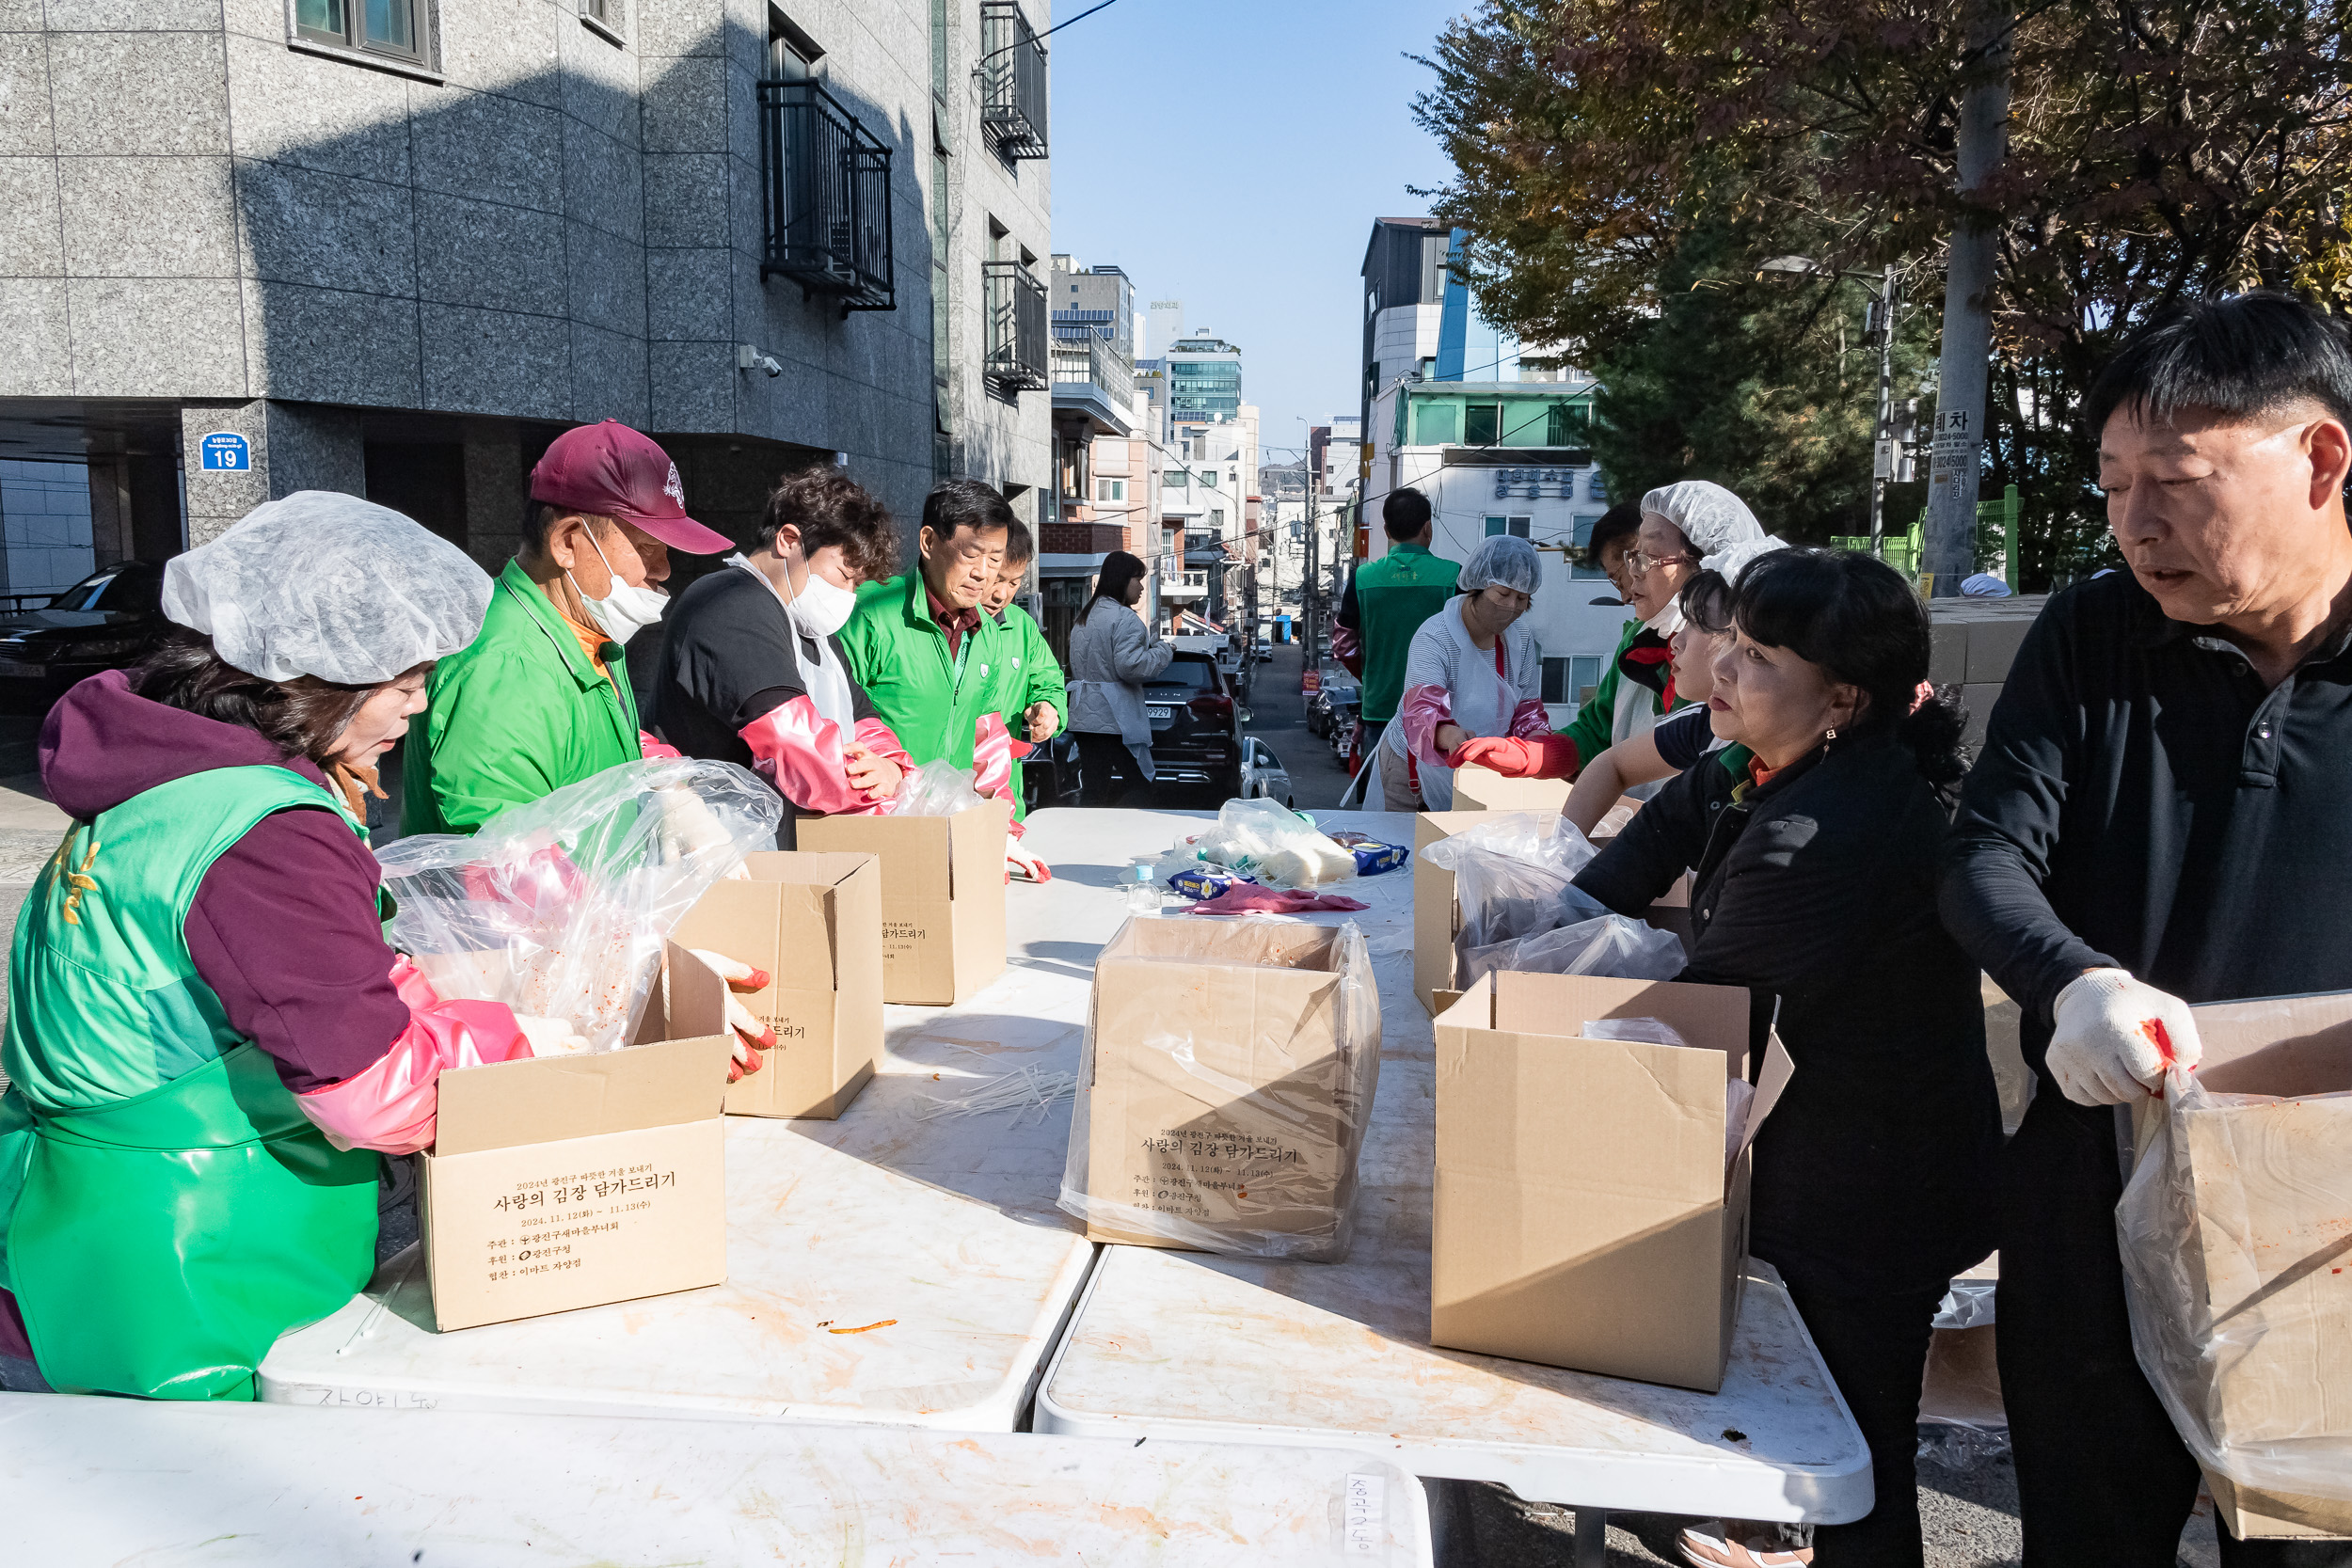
{"x":1142,"y":889}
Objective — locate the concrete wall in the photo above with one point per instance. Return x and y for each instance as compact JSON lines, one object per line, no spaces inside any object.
{"x":1007,"y":441}
{"x":559,"y":229}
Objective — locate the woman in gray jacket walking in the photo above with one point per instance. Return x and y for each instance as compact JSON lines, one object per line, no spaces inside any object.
{"x":1111,"y":654}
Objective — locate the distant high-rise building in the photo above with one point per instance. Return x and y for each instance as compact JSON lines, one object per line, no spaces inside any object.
{"x":1203,"y":380}
{"x":1404,"y":302}
{"x":1167,"y":325}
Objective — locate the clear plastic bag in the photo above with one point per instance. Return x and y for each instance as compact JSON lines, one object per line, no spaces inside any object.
{"x":559,"y":908}
{"x":1656,"y":1031}
{"x":1250,"y":1109}
{"x":938,"y":788}
{"x":1275,"y":846}
{"x":1513,"y":877}
{"x":1609,"y":944}
{"x":2230,"y":1226}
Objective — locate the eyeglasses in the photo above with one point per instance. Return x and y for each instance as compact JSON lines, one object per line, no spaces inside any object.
{"x":1638,"y":564}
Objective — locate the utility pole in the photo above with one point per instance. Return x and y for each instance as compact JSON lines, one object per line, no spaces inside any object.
{"x":1960,"y":394}
{"x":1885,"y":452}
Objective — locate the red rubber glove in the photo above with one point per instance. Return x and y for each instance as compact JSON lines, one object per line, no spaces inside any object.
{"x":1550,"y":757}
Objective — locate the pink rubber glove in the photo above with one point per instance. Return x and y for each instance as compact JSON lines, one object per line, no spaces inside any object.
{"x":1249,"y":898}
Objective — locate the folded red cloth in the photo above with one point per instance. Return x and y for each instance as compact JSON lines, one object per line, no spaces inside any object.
{"x":1249,"y":898}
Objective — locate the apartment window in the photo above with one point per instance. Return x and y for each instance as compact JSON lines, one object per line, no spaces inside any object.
{"x":1565,"y":425}
{"x":824,"y":183}
{"x":1110,"y":489}
{"x":1581,"y":532}
{"x":1177,"y":479}
{"x":396,"y":30}
{"x":1436,"y":424}
{"x":1482,"y":424}
{"x":1571,"y":680}
{"x":1518,"y":528}
{"x":1216,"y":523}
{"x":605,"y":17}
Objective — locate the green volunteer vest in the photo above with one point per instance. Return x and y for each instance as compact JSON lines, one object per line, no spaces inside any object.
{"x":1395,"y":595}
{"x":166,"y":1208}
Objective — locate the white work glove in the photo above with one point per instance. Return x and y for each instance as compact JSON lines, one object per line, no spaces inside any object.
{"x":690,"y":828}
{"x":1024,"y":867}
{"x":2116,"y":1037}
{"x":751,"y":1036}
{"x":551,"y":1036}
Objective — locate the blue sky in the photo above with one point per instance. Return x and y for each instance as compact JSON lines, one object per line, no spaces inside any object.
{"x":1263,"y":136}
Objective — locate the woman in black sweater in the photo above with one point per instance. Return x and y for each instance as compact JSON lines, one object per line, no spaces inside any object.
{"x":1815,"y":888}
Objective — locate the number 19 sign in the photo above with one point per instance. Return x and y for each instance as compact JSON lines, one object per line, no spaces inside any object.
{"x":226,"y":452}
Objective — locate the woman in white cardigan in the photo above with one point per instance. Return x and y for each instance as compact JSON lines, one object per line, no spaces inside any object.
{"x":1112,"y":652}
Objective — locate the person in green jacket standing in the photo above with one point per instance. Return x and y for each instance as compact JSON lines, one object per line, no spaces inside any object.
{"x":1032,"y":694}
{"x":1385,"y":603}
{"x":929,"y":660}
{"x":541,"y":699}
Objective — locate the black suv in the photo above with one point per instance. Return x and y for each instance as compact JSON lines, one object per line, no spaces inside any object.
{"x":1196,"y":726}
{"x":103,"y":622}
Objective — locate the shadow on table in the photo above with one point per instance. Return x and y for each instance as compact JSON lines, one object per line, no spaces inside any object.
{"x":1383,"y":1287}
{"x":1073,"y":958}
{"x":990,"y":1122}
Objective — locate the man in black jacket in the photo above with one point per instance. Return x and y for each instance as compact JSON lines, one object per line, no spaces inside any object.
{"x":2160,"y":818}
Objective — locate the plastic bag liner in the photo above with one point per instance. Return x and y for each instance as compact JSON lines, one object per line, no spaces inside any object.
{"x":1228,"y":1072}
{"x":938,"y":788}
{"x":560,"y":907}
{"x":1657,"y":1031}
{"x":1512,"y":876}
{"x":2233,"y":1233}
{"x":1611,"y":944}
{"x":1275,"y":846}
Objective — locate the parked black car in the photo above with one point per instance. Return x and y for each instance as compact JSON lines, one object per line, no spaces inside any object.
{"x":1196,"y":726}
{"x":103,"y":622}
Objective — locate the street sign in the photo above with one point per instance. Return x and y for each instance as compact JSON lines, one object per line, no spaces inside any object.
{"x":226,"y":452}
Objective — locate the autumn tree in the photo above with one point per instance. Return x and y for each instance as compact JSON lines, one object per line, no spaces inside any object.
{"x":2158,"y":153}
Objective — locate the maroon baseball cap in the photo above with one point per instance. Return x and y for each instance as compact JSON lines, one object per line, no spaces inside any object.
{"x":609,"y":470}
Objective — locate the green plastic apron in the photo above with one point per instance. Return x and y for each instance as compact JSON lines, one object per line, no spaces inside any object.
{"x":167,"y":1211}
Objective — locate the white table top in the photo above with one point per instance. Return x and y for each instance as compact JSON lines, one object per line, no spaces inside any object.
{"x":1183,"y":1345}
{"x":945,"y":1223}
{"x":98,"y":1481}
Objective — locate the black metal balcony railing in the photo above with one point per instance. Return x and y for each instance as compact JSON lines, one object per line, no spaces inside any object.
{"x":1015,"y":302}
{"x":825,"y":193}
{"x":1012,"y":81}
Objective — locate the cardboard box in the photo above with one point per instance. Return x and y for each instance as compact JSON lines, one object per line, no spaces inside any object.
{"x":2272,"y":1189}
{"x":814,"y":923}
{"x":1233,"y":1063}
{"x":943,"y":896}
{"x":1438,"y":913}
{"x":576,"y":1181}
{"x":1585,"y":1214}
{"x":1478,"y":788}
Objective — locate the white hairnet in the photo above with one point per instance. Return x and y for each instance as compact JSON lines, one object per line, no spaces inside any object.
{"x":1503,"y":559}
{"x":1711,"y":516}
{"x":326,"y":584}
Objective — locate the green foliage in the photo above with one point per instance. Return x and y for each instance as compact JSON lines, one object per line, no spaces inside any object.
{"x":1605,"y":150}
{"x":1764,"y":384}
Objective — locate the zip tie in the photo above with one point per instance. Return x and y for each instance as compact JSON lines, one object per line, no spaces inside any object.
{"x":367,"y":1325}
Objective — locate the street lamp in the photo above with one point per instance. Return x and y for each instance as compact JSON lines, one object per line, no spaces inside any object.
{"x":1886,"y":459}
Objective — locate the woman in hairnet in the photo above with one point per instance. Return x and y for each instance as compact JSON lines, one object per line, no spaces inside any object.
{"x":208,"y":1036}
{"x":1686,"y":528}
{"x":1473,"y":669}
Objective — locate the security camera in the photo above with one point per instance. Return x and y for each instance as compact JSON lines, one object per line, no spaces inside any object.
{"x":747,"y":357}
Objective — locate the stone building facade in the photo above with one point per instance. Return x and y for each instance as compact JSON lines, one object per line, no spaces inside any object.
{"x":398,"y":246}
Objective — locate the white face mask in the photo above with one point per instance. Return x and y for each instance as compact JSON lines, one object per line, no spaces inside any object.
{"x":625,"y":611}
{"x":821,"y":608}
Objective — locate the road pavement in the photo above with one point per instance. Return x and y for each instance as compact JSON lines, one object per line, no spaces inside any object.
{"x":1279,"y":718}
